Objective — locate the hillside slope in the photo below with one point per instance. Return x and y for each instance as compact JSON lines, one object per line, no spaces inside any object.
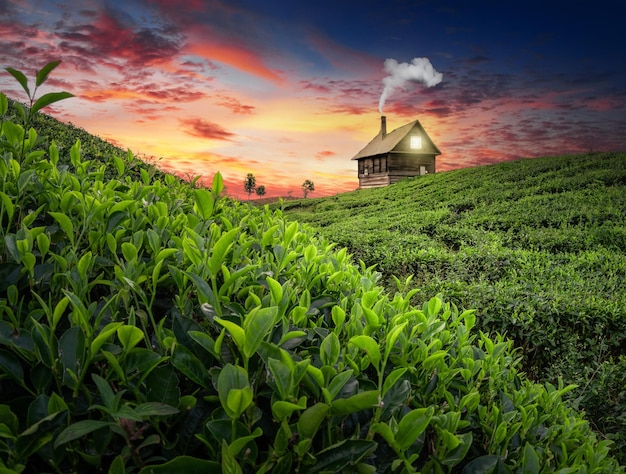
{"x":537,"y":246}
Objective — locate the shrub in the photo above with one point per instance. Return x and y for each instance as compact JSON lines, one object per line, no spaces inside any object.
{"x":156,"y":327}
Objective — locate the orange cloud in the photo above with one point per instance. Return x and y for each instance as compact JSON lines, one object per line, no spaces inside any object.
{"x":322,"y":155}
{"x":237,"y":57}
{"x":197,"y":127}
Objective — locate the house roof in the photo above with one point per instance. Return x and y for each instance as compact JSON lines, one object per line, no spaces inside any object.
{"x":380,"y":144}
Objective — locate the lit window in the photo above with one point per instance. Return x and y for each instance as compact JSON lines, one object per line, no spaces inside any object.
{"x":416,"y":142}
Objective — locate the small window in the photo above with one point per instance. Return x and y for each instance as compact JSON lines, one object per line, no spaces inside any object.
{"x":416,"y":142}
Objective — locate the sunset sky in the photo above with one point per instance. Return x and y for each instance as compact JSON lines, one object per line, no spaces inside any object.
{"x":289,"y":90}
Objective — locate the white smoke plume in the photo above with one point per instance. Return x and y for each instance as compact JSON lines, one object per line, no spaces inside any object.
{"x":399,"y":74}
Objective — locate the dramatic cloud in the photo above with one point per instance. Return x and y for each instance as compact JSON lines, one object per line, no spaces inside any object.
{"x":197,"y":127}
{"x":234,"y":105}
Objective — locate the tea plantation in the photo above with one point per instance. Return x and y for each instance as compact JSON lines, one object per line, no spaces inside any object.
{"x":151,"y":326}
{"x":537,"y":247}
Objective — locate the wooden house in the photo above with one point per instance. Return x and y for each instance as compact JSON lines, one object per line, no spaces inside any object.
{"x":405,"y":152}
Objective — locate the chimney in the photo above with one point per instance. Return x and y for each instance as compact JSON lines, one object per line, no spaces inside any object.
{"x":383,"y":126}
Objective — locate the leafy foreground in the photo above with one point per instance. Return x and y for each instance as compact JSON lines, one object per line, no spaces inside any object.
{"x":148,"y":326}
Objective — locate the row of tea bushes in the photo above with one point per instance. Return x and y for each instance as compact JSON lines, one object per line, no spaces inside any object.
{"x":536,"y":246}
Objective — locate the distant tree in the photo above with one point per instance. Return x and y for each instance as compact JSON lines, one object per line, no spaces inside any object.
{"x":307,"y":187}
{"x":260,"y":191}
{"x":249,"y":184}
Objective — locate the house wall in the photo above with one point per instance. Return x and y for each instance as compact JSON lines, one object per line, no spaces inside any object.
{"x":388,"y":169}
{"x":408,"y":164}
{"x":373,"y":172}
{"x":374,"y":181}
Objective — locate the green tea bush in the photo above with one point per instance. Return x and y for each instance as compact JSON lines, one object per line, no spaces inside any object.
{"x":535,"y":246}
{"x":150,"y":326}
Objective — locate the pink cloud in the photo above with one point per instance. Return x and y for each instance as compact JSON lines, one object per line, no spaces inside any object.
{"x":324,"y":154}
{"x":234,"y":105}
{"x":197,"y":127}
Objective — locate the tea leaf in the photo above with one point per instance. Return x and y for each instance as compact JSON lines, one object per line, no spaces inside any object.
{"x":119,"y":165}
{"x":290,"y":233}
{"x":434,"y":306}
{"x":276,"y":290}
{"x":338,"y":382}
{"x":129,"y":336}
{"x":229,"y":463}
{"x":268,"y":236}
{"x":72,"y":353}
{"x":256,"y":326}
{"x":129,"y":251}
{"x":234,"y":379}
{"x":65,"y":223}
{"x":369,"y":298}
{"x":147,"y":409}
{"x":361,"y":401}
{"x":101,"y":338}
{"x":59,"y":309}
{"x":4,"y":103}
{"x":110,"y":400}
{"x":412,"y":425}
{"x":8,"y":206}
{"x":238,"y":400}
{"x":282,"y":409}
{"x":282,"y":377}
{"x":78,"y":430}
{"x":43,"y":243}
{"x":311,"y":419}
{"x":330,"y":349}
{"x":80,"y":313}
{"x":339,"y":316}
{"x":392,"y":337}
{"x":21,"y":78}
{"x":204,"y":203}
{"x":217,"y":185}
{"x":162,"y":385}
{"x":203,"y":288}
{"x":49,"y":98}
{"x":457,"y":455}
{"x":236,"y":446}
{"x":530,"y":461}
{"x":290,"y":336}
{"x":236,"y":332}
{"x":43,"y":73}
{"x":185,"y":361}
{"x":220,"y":249}
{"x":56,"y":404}
{"x":206,"y":342}
{"x":370,"y":346}
{"x":392,"y":378}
